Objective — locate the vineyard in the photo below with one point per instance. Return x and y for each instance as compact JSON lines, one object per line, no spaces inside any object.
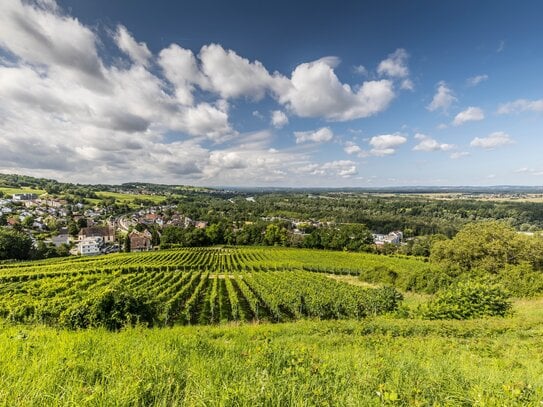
{"x":196,"y":286}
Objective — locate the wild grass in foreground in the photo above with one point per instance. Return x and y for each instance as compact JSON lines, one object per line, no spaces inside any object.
{"x":495,"y":361}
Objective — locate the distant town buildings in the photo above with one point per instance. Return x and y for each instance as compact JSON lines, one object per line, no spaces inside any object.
{"x":395,"y":237}
{"x":24,"y":197}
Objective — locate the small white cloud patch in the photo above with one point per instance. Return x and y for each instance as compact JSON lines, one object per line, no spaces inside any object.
{"x":428,"y":144}
{"x":469,"y":115}
{"x":492,"y":141}
{"x":278,"y":119}
{"x":386,"y":144}
{"x":521,"y":105}
{"x":317,"y":136}
{"x":443,"y":98}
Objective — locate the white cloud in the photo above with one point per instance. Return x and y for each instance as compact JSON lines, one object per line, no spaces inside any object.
{"x":360,"y":70}
{"x":475,"y":80}
{"x":204,"y":120}
{"x":341,"y":168}
{"x":492,"y":141}
{"x":395,"y":65}
{"x":407,"y":84}
{"x":67,"y":112}
{"x":317,"y":136}
{"x":138,"y":52}
{"x":353,"y":148}
{"x":386,"y":144}
{"x":443,"y":98}
{"x":279,"y":119}
{"x":40,"y":35}
{"x":181,"y":69}
{"x":530,"y":171}
{"x":521,"y":105}
{"x":459,"y":154}
{"x":428,"y":144}
{"x":315,"y":91}
{"x":469,"y":115}
{"x":232,"y":76}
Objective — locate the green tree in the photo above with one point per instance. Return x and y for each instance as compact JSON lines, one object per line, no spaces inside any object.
{"x":14,"y":245}
{"x":487,"y":246}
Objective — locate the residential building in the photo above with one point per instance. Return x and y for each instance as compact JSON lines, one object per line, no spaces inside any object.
{"x":90,"y":246}
{"x":140,"y":241}
{"x":106,"y":233}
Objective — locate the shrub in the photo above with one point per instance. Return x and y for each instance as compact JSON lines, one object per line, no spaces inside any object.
{"x":381,"y":300}
{"x":112,"y":309}
{"x":470,"y":299}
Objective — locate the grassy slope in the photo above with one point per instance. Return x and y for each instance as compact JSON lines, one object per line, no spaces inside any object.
{"x":382,"y":360}
{"x":10,"y":191}
{"x":408,"y":362}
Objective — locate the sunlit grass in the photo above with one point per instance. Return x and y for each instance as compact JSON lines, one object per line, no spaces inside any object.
{"x":495,"y":361}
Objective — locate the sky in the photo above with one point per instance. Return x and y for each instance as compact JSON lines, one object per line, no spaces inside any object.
{"x":294,"y":94}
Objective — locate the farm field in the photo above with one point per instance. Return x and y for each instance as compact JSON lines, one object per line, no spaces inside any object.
{"x":254,"y":326}
{"x":129,"y":198}
{"x":195,"y":286}
{"x":23,"y":190}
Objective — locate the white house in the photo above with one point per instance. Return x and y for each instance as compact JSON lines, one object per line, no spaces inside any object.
{"x":395,"y":237}
{"x":90,"y":246}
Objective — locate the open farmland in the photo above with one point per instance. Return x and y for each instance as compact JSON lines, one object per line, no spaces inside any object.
{"x":198,"y":286}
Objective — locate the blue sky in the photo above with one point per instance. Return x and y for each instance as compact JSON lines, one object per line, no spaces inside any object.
{"x":244,"y":93}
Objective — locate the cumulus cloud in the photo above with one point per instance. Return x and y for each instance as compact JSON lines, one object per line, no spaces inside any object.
{"x":41,"y":35}
{"x":181,"y":70}
{"x":138,"y":52}
{"x":68,"y":111}
{"x":469,"y":115}
{"x":521,"y":105}
{"x":315,"y":91}
{"x":476,"y":80}
{"x":317,"y":136}
{"x":351,"y":148}
{"x":443,"y":98}
{"x":395,"y":65}
{"x":341,"y":168}
{"x":386,"y":144}
{"x":492,"y":141}
{"x":233,"y":76}
{"x":279,"y":119}
{"x":428,"y":144}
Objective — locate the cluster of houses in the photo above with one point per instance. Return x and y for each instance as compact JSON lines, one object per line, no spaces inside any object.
{"x":44,"y":211}
{"x":28,"y":206}
{"x":101,"y":240}
{"x":97,"y":239}
{"x":155,"y":216}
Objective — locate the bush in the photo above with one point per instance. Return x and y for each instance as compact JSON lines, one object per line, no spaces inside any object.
{"x":380,"y":300}
{"x":112,"y":309}
{"x":470,"y":299}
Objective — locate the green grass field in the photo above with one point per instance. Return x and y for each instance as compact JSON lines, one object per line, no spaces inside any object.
{"x":129,"y":198}
{"x":10,"y":191}
{"x":374,"y":360}
{"x":380,"y":361}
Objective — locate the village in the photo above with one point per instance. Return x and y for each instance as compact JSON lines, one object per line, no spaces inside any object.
{"x":83,"y":229}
